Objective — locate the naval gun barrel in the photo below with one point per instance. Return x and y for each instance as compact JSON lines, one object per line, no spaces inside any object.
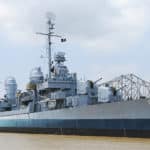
{"x":98,"y":80}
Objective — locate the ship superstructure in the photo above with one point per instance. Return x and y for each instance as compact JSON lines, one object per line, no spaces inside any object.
{"x":60,"y":89}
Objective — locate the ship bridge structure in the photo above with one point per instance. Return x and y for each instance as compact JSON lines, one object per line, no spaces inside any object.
{"x":130,"y":86}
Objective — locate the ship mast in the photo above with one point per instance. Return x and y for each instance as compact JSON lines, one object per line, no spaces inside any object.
{"x":50,"y":34}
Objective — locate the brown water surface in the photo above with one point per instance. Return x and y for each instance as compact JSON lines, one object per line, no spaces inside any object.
{"x":11,"y":141}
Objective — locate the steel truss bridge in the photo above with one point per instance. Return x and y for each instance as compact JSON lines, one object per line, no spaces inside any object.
{"x":130,"y":86}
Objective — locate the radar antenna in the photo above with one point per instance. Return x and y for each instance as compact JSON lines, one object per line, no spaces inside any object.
{"x":51,"y":34}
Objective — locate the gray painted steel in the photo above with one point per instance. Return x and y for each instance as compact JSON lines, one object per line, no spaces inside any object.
{"x":61,"y":102}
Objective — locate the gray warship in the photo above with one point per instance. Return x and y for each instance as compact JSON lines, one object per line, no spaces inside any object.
{"x":61,"y":104}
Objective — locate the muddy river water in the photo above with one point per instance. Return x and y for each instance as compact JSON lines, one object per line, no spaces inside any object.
{"x":13,"y":141}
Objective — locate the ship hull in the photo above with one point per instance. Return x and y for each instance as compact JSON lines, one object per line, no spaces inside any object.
{"x":98,"y":127}
{"x":81,"y":132}
{"x":130,"y":118}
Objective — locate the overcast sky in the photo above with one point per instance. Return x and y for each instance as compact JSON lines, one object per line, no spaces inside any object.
{"x":104,"y":37}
